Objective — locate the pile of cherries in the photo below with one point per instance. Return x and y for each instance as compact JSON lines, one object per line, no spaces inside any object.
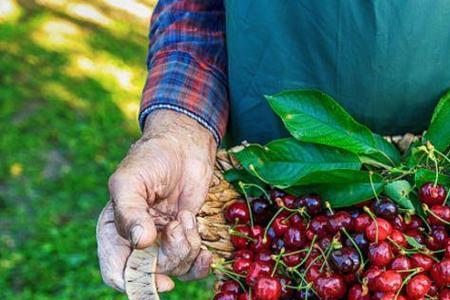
{"x":289,"y":247}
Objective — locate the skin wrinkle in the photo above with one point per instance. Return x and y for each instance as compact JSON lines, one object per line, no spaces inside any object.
{"x":166,"y":172}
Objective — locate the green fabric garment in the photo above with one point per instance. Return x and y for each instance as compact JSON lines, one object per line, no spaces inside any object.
{"x":386,"y":61}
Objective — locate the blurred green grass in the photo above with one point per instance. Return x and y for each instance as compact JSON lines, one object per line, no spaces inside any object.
{"x":71,"y":73}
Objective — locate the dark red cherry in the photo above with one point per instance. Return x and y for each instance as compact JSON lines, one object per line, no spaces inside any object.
{"x":443,"y":214}
{"x":438,"y":238}
{"x":257,"y":270}
{"x":398,"y":240}
{"x":225,"y":296}
{"x":417,"y":235}
{"x":441,"y":273}
{"x":388,"y":281}
{"x":239,"y":236}
{"x":413,"y":222}
{"x":286,"y":292}
{"x":401,"y":263}
{"x":360,"y":240}
{"x":432,"y":194}
{"x":260,"y":242}
{"x":398,"y":223}
{"x":382,"y":227}
{"x":380,"y":254}
{"x":294,"y":238}
{"x":237,"y":212}
{"x":280,"y":225}
{"x":262,"y":211}
{"x":292,"y":260}
{"x":267,"y":288}
{"x":313,"y":273}
{"x":319,"y":225}
{"x":344,"y":260}
{"x":312,"y":203}
{"x":444,"y":294}
{"x":385,"y":209}
{"x":358,"y":292}
{"x":338,"y":221}
{"x":305,"y":294}
{"x":241,"y":265}
{"x":264,"y":256}
{"x":371,"y":274}
{"x":244,"y":253}
{"x":330,"y":286}
{"x":277,"y":244}
{"x":230,"y":286}
{"x":361,"y":222}
{"x":418,"y":286}
{"x":276,"y":193}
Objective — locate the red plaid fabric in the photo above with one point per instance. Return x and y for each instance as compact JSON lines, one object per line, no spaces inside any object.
{"x":187,"y":63}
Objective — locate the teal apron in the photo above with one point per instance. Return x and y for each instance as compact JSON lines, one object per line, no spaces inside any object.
{"x":386,"y":62}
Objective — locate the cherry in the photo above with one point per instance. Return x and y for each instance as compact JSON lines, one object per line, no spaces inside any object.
{"x":256,"y":270}
{"x":447,"y":249}
{"x":349,"y":278}
{"x":380,"y":254}
{"x":438,"y":238}
{"x":385,"y":208}
{"x":278,"y":244}
{"x":338,"y":221}
{"x":330,"y":286}
{"x":260,"y":242}
{"x":294,"y":238}
{"x":264,"y":256}
{"x":305,"y":294}
{"x":384,"y":229}
{"x":267,"y":288}
{"x":325,"y":242}
{"x":361,"y":222}
{"x":401,"y":263}
{"x":280,"y":225}
{"x":414,"y":222}
{"x":388,"y":281}
{"x":285,"y":291}
{"x":399,"y":239}
{"x":262,"y":210}
{"x":225,"y":296}
{"x":296,"y":219}
{"x":417,"y":235}
{"x":443,"y":212}
{"x":318,"y":225}
{"x":432,"y":194}
{"x":244,"y":296}
{"x":398,"y":223}
{"x":313,"y":273}
{"x":239,"y":241}
{"x":312,"y":203}
{"x":230,"y":286}
{"x":371,"y":274}
{"x":237,"y":212}
{"x":292,"y":260}
{"x":441,"y":272}
{"x":444,"y":294}
{"x":358,"y":292}
{"x":418,"y":286}
{"x":344,"y":260}
{"x":360,"y":240}
{"x":241,"y":265}
{"x":276,"y":193}
{"x":244,"y":253}
{"x":423,"y":261}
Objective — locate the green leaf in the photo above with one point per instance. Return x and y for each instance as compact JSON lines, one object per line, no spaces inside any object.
{"x":285,"y":162}
{"x":388,"y":153}
{"x":417,"y":206}
{"x":423,"y":176}
{"x":439,"y":131}
{"x":413,"y":243}
{"x":345,"y":190}
{"x":313,"y":116}
{"x":237,"y":176}
{"x":399,"y":192}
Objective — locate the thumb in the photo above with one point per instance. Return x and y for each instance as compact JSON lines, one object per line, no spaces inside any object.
{"x":131,"y":211}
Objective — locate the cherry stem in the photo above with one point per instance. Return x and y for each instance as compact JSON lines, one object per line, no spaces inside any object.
{"x":361,"y":267}
{"x":407,"y":278}
{"x":374,"y":218}
{"x":325,"y":257}
{"x":328,"y":206}
{"x":373,"y":186}
{"x":271,"y":221}
{"x":277,"y":261}
{"x":307,"y":254}
{"x":243,"y":187}
{"x":428,"y":210}
{"x":240,"y":234}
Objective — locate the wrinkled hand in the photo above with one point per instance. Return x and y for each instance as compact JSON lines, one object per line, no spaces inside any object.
{"x":156,"y":191}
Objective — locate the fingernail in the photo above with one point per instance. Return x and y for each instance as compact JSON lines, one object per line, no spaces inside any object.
{"x":188,"y":220}
{"x":135,"y":234}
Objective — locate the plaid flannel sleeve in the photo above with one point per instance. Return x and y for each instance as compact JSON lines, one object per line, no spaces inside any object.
{"x":187,"y":63}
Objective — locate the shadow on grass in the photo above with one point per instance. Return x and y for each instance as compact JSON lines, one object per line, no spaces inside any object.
{"x":63,"y":129}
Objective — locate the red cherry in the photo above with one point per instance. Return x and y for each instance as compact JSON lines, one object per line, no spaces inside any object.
{"x":398,"y":223}
{"x":313,"y":273}
{"x":286,"y":292}
{"x":256,"y":270}
{"x":262,"y":210}
{"x":280,"y":225}
{"x":238,"y":241}
{"x":267,"y":288}
{"x":438,"y":238}
{"x":418,"y":286}
{"x":432,"y":194}
{"x":380,"y":254}
{"x":296,"y":220}
{"x":401,"y":263}
{"x":414,"y":222}
{"x":371,"y":274}
{"x":441,"y":273}
{"x":318,"y":225}
{"x":237,"y":212}
{"x":388,"y":281}
{"x":330,"y":286}
{"x":261,"y":242}
{"x":294,"y":238}
{"x":444,"y":294}
{"x":244,"y":253}
{"x":443,"y":212}
{"x":312,"y":203}
{"x":264,"y":256}
{"x":292,"y":260}
{"x":384,"y":229}
{"x":399,"y":239}
{"x":241,"y":265}
{"x":230,"y":286}
{"x":225,"y":296}
{"x":287,"y":201}
{"x":276,"y":193}
{"x":244,"y":296}
{"x":338,"y":221}
{"x":417,"y":235}
{"x":361,"y":222}
{"x":358,"y":292}
{"x":419,"y":260}
{"x":447,"y":249}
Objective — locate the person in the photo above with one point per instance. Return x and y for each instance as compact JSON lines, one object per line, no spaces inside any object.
{"x":386,"y":62}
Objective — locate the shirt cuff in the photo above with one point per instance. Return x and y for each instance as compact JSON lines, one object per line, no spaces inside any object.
{"x":176,"y":81}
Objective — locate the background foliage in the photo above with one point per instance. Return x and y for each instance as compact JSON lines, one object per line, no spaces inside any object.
{"x":71,"y":74}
